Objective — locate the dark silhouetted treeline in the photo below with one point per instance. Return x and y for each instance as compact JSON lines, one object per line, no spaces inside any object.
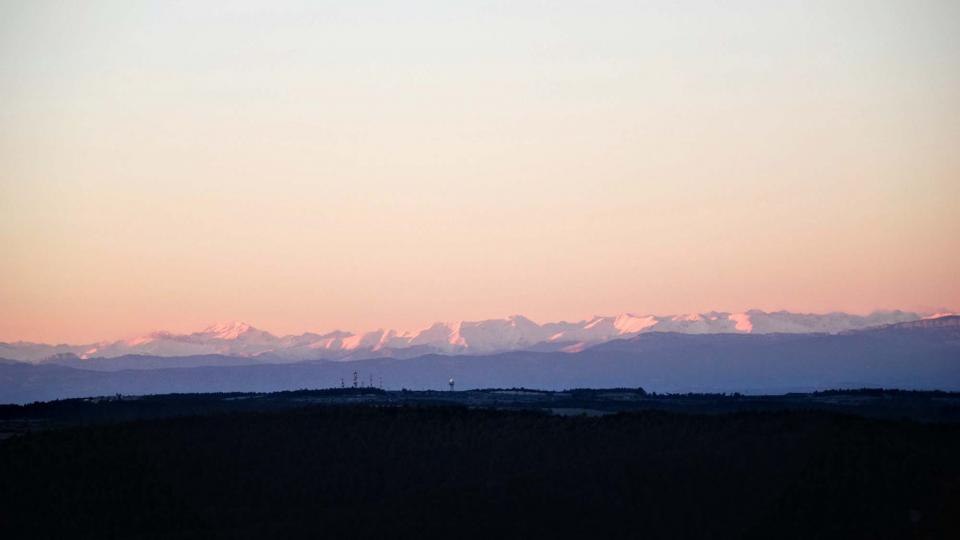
{"x":452,"y":472}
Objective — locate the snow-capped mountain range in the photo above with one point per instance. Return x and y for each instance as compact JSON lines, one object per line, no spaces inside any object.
{"x":466,"y":337}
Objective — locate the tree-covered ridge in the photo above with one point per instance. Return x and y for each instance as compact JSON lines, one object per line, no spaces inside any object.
{"x":404,"y":472}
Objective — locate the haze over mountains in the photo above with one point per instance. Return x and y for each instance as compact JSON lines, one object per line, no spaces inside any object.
{"x":237,"y":339}
{"x":922,"y":355}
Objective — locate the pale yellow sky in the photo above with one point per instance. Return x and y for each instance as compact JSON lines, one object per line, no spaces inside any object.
{"x":311,"y":166}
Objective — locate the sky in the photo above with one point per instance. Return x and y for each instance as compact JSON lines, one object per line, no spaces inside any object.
{"x":357,"y":165}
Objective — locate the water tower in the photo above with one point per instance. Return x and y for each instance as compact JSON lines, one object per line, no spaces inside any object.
{"x":451,"y":384}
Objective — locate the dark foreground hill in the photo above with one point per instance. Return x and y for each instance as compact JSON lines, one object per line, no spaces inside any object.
{"x":450,"y":472}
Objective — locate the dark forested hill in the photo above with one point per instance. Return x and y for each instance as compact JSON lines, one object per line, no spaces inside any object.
{"x":338,"y":472}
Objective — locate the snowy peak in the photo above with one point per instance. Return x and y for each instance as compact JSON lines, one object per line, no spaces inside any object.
{"x":942,"y":321}
{"x":741,"y":322}
{"x":515,"y":332}
{"x":941,"y":315}
{"x":228,"y":330}
{"x":445,"y":336}
{"x":629,"y":323}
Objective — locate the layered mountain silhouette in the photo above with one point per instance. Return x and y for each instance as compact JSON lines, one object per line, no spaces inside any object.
{"x":920,"y":354}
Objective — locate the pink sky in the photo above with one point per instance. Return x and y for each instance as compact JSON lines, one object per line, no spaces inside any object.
{"x":367,"y":167}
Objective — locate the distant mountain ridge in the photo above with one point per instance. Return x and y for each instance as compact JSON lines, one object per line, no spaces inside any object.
{"x":238,"y":339}
{"x":940,"y":321}
{"x":922,"y":355}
